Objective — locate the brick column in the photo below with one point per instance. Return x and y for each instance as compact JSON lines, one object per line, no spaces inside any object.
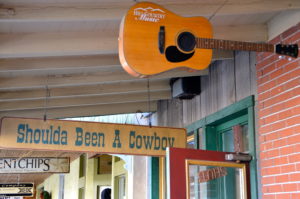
{"x":279,"y":120}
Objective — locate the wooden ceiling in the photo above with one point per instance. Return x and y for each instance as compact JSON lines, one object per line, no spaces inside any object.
{"x":67,"y":50}
{"x":60,"y":57}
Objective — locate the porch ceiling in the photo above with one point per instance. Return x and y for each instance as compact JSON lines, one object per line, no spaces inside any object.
{"x":68,"y":50}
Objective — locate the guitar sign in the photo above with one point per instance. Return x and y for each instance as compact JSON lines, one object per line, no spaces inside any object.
{"x":154,"y":40}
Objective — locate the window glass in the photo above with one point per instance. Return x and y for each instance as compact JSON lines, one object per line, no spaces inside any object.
{"x":228,"y":141}
{"x":215,"y":182}
{"x":235,"y":139}
{"x":190,"y":142}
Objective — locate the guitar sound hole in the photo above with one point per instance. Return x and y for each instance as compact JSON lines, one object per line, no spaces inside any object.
{"x":186,"y":41}
{"x":174,"y":55}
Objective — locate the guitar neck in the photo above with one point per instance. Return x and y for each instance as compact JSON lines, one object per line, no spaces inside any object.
{"x":209,"y":43}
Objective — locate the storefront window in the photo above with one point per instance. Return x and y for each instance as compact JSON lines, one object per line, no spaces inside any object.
{"x":229,"y":130}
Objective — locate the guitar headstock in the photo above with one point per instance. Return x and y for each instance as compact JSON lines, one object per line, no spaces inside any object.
{"x":289,"y":50}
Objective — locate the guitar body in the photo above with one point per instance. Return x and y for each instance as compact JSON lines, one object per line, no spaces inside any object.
{"x":148,"y":41}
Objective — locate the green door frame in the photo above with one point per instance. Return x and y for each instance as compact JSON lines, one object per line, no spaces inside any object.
{"x":154,"y":194}
{"x":220,"y":129}
{"x":240,"y":111}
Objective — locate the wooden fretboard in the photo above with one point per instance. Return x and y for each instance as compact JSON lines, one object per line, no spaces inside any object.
{"x":233,"y":45}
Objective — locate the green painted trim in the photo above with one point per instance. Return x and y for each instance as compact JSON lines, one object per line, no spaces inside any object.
{"x":155,"y":178}
{"x":196,"y":125}
{"x":211,"y":138}
{"x":227,"y":125}
{"x":252,"y":148}
{"x":230,"y":110}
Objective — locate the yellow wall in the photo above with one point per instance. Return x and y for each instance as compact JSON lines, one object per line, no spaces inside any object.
{"x":89,"y":179}
{"x":94,"y":179}
{"x":117,"y":170}
{"x":51,"y":184}
{"x":73,"y":182}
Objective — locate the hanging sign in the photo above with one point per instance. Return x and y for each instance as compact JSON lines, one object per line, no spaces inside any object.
{"x":35,"y":165}
{"x":62,"y":135}
{"x":16,"y":189}
{"x":211,"y":174}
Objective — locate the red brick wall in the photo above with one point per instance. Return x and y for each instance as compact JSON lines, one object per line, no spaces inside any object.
{"x":278,"y":82}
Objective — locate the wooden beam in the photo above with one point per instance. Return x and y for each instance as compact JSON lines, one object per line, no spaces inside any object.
{"x":25,"y":82}
{"x":71,"y":64}
{"x":57,"y":44}
{"x":92,"y":110}
{"x":95,"y":43}
{"x":115,"y":10}
{"x":59,"y":72}
{"x":86,"y":90}
{"x":231,"y":7}
{"x":83,"y":100}
{"x":59,"y":63}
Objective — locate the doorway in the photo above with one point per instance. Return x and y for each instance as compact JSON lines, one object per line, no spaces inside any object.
{"x":203,"y":174}
{"x":230,"y":130}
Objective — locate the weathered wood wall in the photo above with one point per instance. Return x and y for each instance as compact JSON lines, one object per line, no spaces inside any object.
{"x":228,"y":82}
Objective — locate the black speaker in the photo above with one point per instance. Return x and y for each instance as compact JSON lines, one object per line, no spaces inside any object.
{"x":185,"y":87}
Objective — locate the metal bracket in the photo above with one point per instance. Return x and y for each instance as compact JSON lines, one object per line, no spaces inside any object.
{"x":239,"y":157}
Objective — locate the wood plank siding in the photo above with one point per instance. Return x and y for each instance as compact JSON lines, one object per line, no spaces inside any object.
{"x":228,"y":82}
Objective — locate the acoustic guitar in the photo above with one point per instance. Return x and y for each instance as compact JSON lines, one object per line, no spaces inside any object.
{"x":153,"y":40}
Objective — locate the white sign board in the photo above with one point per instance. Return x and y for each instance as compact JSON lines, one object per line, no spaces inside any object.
{"x":35,"y":165}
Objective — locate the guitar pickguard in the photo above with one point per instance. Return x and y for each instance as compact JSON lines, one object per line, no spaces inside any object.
{"x":174,"y":55}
